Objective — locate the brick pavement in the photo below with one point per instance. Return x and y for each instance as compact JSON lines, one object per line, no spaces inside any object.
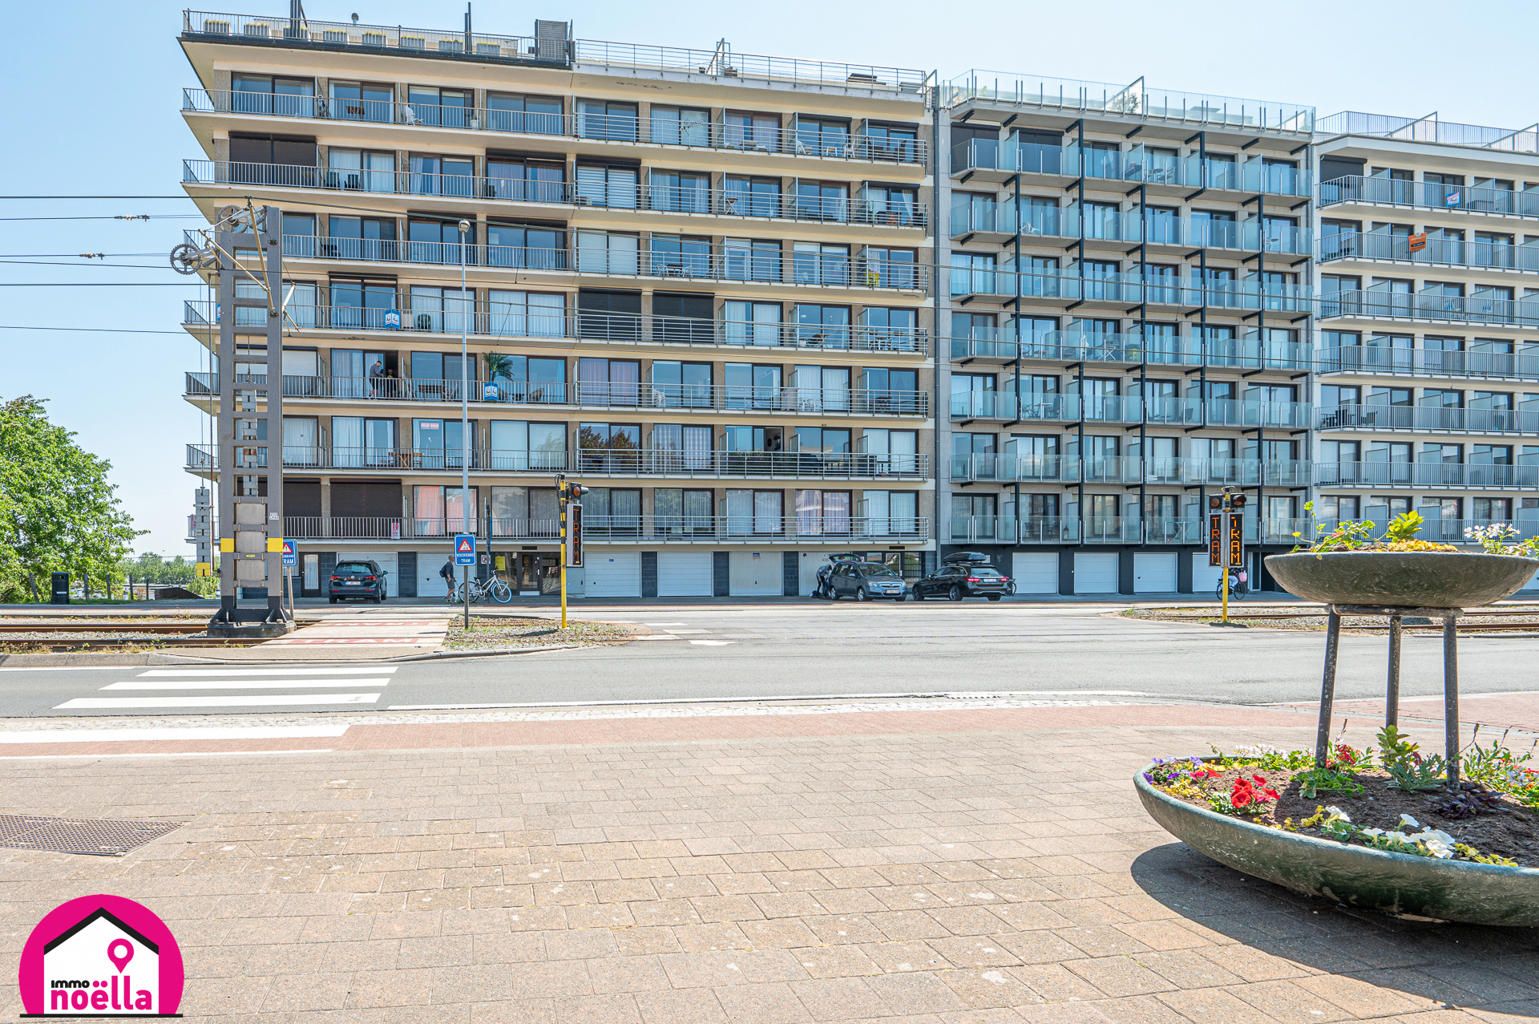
{"x":986,"y":866}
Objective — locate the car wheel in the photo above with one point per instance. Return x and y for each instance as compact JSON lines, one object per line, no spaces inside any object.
{"x":335,"y":600}
{"x":955,"y":593}
{"x":833,"y":593}
{"x":860,"y":593}
{"x":901,"y":598}
{"x":994,"y":597}
{"x":918,"y":594}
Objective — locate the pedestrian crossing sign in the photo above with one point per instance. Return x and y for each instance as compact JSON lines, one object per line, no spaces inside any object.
{"x":289,"y":555}
{"x":464,"y":549}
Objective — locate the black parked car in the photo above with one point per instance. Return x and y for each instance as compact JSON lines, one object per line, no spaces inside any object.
{"x":363,"y":580}
{"x":865,"y":581}
{"x":956,"y":580}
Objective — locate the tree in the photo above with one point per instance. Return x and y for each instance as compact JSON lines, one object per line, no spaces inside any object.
{"x":58,"y":510}
{"x":149,"y":567}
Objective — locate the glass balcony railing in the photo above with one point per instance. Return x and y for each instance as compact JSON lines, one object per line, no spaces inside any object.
{"x":1432,"y":475}
{"x":1520,"y":363}
{"x":1173,"y":411}
{"x":1432,"y":419}
{"x":1431,"y":251}
{"x":1381,"y":191}
{"x":1439,"y":305}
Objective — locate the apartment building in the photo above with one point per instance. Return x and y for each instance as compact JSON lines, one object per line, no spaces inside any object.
{"x":699,"y":282}
{"x":1126,"y":327}
{"x":1428,"y":390}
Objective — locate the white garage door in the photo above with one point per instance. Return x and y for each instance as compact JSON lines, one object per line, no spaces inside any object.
{"x":1154,"y":572}
{"x":1095,"y":573}
{"x":756,"y":574}
{"x":684,"y":574}
{"x":1035,"y":572}
{"x":612,"y":574}
{"x":429,"y":583}
{"x":386,"y":560}
{"x":807,"y":563}
{"x":1204,"y":576}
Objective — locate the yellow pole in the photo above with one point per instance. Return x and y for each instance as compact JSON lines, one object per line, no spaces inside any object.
{"x":563,"y":580}
{"x":1224,"y":589}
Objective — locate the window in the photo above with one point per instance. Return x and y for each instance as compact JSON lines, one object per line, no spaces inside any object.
{"x":891,"y":268}
{"x":525,"y":179}
{"x":678,"y":447}
{"x":825,"y":327}
{"x":272,"y":94}
{"x":360,"y":303}
{"x":683,"y":319}
{"x":744,"y":196}
{"x":890,"y":204}
{"x":680,"y":126}
{"x":606,"y":119}
{"x":682,"y":513}
{"x":680,"y":256}
{"x":680,"y":192}
{"x":890,"y":391}
{"x":537,"y":380}
{"x":822,"y":136}
{"x":891,"y":142}
{"x":755,"y":513}
{"x":1102,"y":220}
{"x":601,"y":252}
{"x":609,"y":447}
{"x":608,"y":382}
{"x":822,"y":200}
{"x":355,"y":238}
{"x":823,"y":513}
{"x":972,"y":274}
{"x":534,"y":115}
{"x":1102,"y":160}
{"x":441,"y":310}
{"x":742,"y":130}
{"x":607,"y":185}
{"x":821,"y":389}
{"x":430,"y":105}
{"x":751,"y":386}
{"x":435,"y":241}
{"x":679,"y":385}
{"x":358,"y":442}
{"x":440,"y":444}
{"x":273,"y":160}
{"x":745,"y":259}
{"x":751,"y":323}
{"x":815,"y":263}
{"x":526,"y":314}
{"x":433,"y":175}
{"x":362,"y":101}
{"x":530,"y":246}
{"x":439,"y":510}
{"x":609,"y":314}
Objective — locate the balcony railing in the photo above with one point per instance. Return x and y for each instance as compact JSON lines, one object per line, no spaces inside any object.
{"x":1251,"y":352}
{"x":803,"y":270}
{"x":1436,"y":419}
{"x":1481,"y":306}
{"x":610,"y":328}
{"x":1189,"y":411}
{"x":615,"y":56}
{"x":1178,"y":471}
{"x":1430,"y":196}
{"x":1521,"y":364}
{"x":1012,"y":156}
{"x":647,"y":198}
{"x":1008,"y":468}
{"x":623,"y":128}
{"x":1112,"y":530}
{"x":580,"y":394}
{"x":1438,"y":475}
{"x":1003,"y":283}
{"x":747,"y":529}
{"x":1446,"y":252}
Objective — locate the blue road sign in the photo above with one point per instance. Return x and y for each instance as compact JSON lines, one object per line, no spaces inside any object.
{"x":392,"y":319}
{"x":464,"y":549}
{"x":290,"y":554}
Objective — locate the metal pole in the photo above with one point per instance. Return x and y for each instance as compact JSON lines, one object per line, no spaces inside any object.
{"x":1392,"y":690}
{"x":1451,"y":698}
{"x":464,"y":413}
{"x":1223,"y":586}
{"x":561,"y":501}
{"x":1328,"y":687}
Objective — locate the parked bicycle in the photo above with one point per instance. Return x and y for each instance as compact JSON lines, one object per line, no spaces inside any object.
{"x":493,"y":588}
{"x":1239,"y":585}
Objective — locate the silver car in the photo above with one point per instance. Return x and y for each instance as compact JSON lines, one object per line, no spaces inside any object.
{"x":866,"y":581}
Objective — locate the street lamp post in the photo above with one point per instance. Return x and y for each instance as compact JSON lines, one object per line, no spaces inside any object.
{"x":465,"y":413}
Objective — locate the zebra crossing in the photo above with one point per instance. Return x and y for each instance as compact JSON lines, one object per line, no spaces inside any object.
{"x":209,"y":689}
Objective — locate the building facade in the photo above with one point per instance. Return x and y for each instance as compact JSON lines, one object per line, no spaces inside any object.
{"x":697,"y":282}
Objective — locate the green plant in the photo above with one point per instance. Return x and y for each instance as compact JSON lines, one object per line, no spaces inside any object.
{"x":1403,"y":762}
{"x":1403,"y":527}
{"x":1330,"y":780}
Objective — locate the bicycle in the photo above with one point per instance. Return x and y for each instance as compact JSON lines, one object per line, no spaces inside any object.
{"x":1238,"y":586}
{"x":493,"y":588}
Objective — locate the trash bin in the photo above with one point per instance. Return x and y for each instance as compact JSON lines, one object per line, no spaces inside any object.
{"x":61,"y":588}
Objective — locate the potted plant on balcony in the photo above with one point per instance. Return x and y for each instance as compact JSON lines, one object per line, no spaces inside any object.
{"x":499,"y":369}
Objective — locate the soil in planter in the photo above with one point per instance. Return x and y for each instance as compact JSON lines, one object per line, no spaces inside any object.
{"x":1505,"y":827}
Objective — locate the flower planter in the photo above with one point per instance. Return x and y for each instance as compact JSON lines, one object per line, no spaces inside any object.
{"x":1358,"y":876}
{"x":1411,"y":579}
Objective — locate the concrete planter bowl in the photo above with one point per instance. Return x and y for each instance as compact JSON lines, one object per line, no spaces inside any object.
{"x":1402,"y":579}
{"x":1396,"y":883}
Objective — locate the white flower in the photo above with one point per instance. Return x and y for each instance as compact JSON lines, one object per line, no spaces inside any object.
{"x":1409,"y":822}
{"x":1337,"y":812}
{"x":1372,"y":833}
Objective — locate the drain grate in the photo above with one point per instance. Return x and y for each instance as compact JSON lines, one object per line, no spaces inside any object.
{"x":95,"y":837}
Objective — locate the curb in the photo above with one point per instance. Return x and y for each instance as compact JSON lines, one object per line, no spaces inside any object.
{"x":107,"y":661}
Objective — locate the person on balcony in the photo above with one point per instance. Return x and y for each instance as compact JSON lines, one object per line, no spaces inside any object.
{"x":376,"y":372}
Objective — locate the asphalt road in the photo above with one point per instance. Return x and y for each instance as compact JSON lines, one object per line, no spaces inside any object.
{"x":761,"y":651}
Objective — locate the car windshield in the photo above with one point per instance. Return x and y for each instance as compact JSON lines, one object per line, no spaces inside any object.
{"x":878,"y":572}
{"x":357,"y":567}
{"x":983,"y":573}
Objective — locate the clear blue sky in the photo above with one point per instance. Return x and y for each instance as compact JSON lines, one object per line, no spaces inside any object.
{"x":91,"y":90}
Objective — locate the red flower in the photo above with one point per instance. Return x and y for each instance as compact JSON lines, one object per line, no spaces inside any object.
{"x":1242,"y":794}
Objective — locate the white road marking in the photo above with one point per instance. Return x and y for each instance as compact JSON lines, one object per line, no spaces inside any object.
{"x":367,"y":670}
{"x":655,"y":636}
{"x":661,"y":625}
{"x":168,"y":753}
{"x":687,"y":632}
{"x":242,"y":684}
{"x":280,"y":700}
{"x":193,"y":732}
{"x":710,"y":643}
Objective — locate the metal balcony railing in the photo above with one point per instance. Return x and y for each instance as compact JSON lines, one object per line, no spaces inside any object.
{"x":1188,"y":411}
{"x":1520,"y":364}
{"x":1112,"y":530}
{"x":1424,"y":195}
{"x":1003,"y":283}
{"x":753,"y":139}
{"x":720,"y":64}
{"x":609,"y":328}
{"x":1433,"y":251}
{"x":1251,"y":352}
{"x":1178,"y":471}
{"x":580,"y":394}
{"x":1436,"y":419}
{"x":646,"y":198}
{"x":730,"y":528}
{"x":1481,"y":306}
{"x":1435,"y":475}
{"x":664,"y":260}
{"x":1009,"y":468}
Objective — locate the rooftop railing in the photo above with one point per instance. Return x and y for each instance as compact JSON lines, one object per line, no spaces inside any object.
{"x":861,"y":145}
{"x":1431,"y":128}
{"x":1134,"y":100}
{"x":721,"y":64}
{"x":652,"y":198}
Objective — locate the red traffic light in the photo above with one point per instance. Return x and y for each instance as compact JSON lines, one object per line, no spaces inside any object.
{"x":1238,"y":501}
{"x":574,"y":492}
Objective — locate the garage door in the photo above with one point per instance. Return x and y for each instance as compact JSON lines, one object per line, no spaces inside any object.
{"x":612,"y":574}
{"x":756,"y":574}
{"x":1035,"y":572}
{"x":1154,"y":572}
{"x":429,"y":583}
{"x":384,"y":559}
{"x":684,"y":574}
{"x":1095,"y":573}
{"x":1204,"y":576}
{"x":807,"y":563}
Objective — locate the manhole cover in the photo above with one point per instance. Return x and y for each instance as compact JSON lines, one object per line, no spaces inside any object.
{"x":97,"y":837}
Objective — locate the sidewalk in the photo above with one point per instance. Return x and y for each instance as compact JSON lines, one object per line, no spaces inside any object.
{"x":965,"y":864}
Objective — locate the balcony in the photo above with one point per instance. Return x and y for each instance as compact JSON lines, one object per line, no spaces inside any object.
{"x":1008,"y":468}
{"x":1485,"y":307}
{"x":1377,"y":191}
{"x":1250,"y":352}
{"x":630,"y":529}
{"x":607,"y":328}
{"x":1429,"y":475}
{"x":872,"y":402}
{"x":1383,"y":246}
{"x":1432,"y":419}
{"x":1003,"y":285}
{"x":732,"y":138}
{"x":583,"y":54}
{"x":1484,"y":362}
{"x":1176,"y":411}
{"x":643,"y":198}
{"x":733,"y":266}
{"x":1129,"y":470}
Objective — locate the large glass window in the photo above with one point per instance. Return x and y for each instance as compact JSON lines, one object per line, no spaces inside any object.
{"x":361,"y":101}
{"x":535,"y":115}
{"x":751,"y":323}
{"x":433,"y":175}
{"x":607,"y":119}
{"x":826,"y":327}
{"x":680,"y":126}
{"x":524,"y":179}
{"x":744,"y":196}
{"x":526,"y":314}
{"x":680,"y":191}
{"x":608,"y":185}
{"x":526,"y":245}
{"x":430,"y":105}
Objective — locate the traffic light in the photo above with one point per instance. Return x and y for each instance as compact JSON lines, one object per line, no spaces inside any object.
{"x":574,"y":492}
{"x":1238,"y":501}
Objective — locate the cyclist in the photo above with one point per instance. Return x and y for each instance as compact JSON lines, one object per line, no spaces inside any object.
{"x":1238,"y":580}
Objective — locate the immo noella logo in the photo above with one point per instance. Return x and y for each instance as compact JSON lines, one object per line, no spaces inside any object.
{"x":101,"y":956}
